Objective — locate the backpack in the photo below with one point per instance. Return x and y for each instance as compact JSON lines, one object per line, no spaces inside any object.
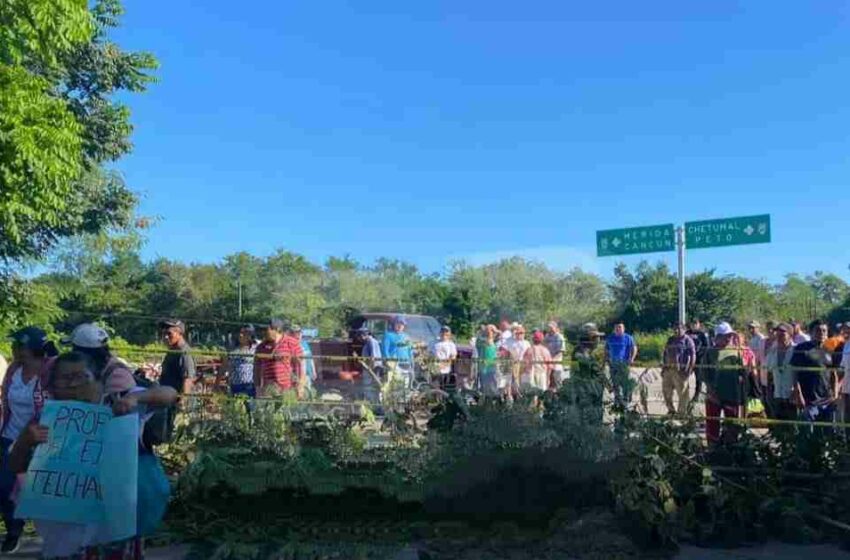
{"x":159,"y":428}
{"x":726,"y":376}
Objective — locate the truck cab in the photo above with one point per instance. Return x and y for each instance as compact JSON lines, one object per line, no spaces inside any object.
{"x":337,"y":368}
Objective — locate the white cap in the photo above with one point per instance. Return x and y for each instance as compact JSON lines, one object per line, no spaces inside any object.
{"x":88,"y":335}
{"x":723,"y":328}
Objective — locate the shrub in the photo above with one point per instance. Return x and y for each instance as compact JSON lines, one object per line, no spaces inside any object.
{"x":651,"y":346}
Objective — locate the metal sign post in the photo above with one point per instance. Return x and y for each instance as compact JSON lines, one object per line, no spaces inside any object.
{"x":705,"y":234}
{"x":680,"y":247}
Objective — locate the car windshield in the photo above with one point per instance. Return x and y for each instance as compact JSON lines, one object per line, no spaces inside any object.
{"x":420,"y":329}
{"x":423,"y":329}
{"x":377,"y":327}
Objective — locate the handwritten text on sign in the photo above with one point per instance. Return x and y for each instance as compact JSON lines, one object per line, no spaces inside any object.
{"x":89,"y":458}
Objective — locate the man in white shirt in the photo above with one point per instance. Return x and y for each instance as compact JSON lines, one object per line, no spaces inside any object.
{"x":445,"y":352}
{"x":778,"y":363}
{"x":757,"y":345}
{"x":517,"y":347}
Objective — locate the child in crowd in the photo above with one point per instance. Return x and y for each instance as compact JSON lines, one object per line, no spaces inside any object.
{"x":72,"y":379}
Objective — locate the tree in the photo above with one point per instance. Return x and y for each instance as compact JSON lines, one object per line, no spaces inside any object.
{"x":647,"y":299}
{"x":42,"y":30}
{"x":40,"y":158}
{"x":709,"y":298}
{"x":59,"y":123}
{"x":830,"y":289}
{"x":798,"y":299}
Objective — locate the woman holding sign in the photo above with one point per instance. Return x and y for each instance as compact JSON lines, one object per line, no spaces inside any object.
{"x":22,"y":399}
{"x":72,"y":380}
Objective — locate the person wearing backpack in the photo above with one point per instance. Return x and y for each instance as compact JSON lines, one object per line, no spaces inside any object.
{"x":730,"y":371}
{"x":116,"y":378}
{"x":93,"y":342}
{"x":72,"y":379}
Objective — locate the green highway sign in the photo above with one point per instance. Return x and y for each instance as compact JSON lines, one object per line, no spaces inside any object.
{"x":630,"y":241}
{"x":728,"y":231}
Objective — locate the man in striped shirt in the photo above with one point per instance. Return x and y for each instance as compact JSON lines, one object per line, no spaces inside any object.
{"x":278,"y":361}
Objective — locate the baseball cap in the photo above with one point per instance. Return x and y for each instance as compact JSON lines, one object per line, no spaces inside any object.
{"x":87,"y":335}
{"x":294,"y":328}
{"x":552,"y":324}
{"x":723,"y":328}
{"x":590,"y":329}
{"x":754,"y":324}
{"x":785,"y":327}
{"x":399,"y":320}
{"x":168,"y":323}
{"x":277,"y":324}
{"x":362,"y":330}
{"x":31,"y":338}
{"x":445,"y":328}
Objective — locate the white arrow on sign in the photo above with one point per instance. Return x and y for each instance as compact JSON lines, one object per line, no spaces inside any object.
{"x":616,"y":242}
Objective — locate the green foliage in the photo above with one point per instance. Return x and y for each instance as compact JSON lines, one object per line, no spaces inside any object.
{"x":42,"y":30}
{"x":103,"y":277}
{"x":524,"y":291}
{"x":492,"y":461}
{"x":40,"y":159}
{"x":59,"y":122}
{"x":25,"y":303}
{"x":651,"y":346}
{"x":646,"y":299}
{"x":758,"y":486}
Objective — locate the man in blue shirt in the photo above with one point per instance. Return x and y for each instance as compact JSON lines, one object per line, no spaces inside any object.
{"x":620,"y":354}
{"x":397,"y":350}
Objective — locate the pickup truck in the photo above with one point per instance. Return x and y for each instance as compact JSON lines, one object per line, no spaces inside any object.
{"x":339,"y":371}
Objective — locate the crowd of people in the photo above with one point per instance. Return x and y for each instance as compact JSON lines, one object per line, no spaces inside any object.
{"x":87,"y":372}
{"x":787,"y":372}
{"x":783,"y":373}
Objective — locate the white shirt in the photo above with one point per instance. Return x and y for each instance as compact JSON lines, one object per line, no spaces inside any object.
{"x":518,"y":348}
{"x":21,"y":407}
{"x":3,"y":366}
{"x":845,"y":363}
{"x":801,"y":338}
{"x":506,"y":338}
{"x":445,"y":351}
{"x":783,"y":374}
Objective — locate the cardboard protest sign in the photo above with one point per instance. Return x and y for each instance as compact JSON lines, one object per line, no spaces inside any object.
{"x":87,"y":471}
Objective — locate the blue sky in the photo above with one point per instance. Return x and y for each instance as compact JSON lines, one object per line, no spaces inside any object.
{"x":438,"y":130}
